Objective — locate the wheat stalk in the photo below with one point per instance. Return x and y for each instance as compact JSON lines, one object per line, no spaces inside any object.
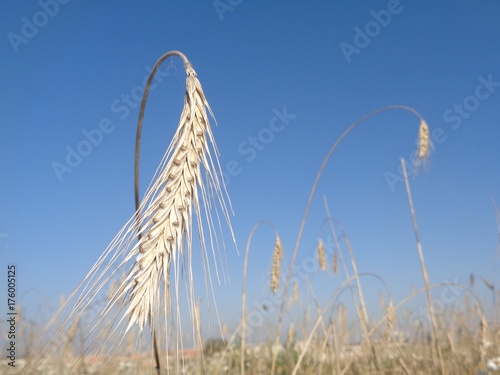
{"x":335,"y":265}
{"x":425,"y":274}
{"x":134,"y":273}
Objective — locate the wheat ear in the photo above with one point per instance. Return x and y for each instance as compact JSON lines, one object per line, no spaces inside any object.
{"x":424,"y":140}
{"x":167,"y":221}
{"x":139,"y":271}
{"x":321,"y":255}
{"x":276,"y":269}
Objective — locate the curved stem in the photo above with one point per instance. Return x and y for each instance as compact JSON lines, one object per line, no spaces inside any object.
{"x":308,"y":205}
{"x":187,"y":65}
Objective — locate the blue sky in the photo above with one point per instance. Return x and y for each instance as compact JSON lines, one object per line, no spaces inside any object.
{"x":71,"y":67}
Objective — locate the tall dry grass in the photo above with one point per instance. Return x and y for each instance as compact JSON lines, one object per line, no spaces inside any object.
{"x":422,"y":150}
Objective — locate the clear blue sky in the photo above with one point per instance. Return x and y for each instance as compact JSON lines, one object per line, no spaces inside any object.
{"x":327,"y":63}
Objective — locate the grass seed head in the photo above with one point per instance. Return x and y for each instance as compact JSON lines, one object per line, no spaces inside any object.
{"x":321,"y":255}
{"x":167,"y":222}
{"x":423,"y":140}
{"x":276,"y":270}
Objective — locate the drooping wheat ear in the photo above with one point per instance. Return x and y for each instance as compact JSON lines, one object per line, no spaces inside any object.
{"x":423,"y":140}
{"x":276,"y":270}
{"x":189,"y":181}
{"x":321,"y":255}
{"x":155,"y":247}
{"x":167,"y":224}
{"x":424,"y":147}
{"x":335,"y":263}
